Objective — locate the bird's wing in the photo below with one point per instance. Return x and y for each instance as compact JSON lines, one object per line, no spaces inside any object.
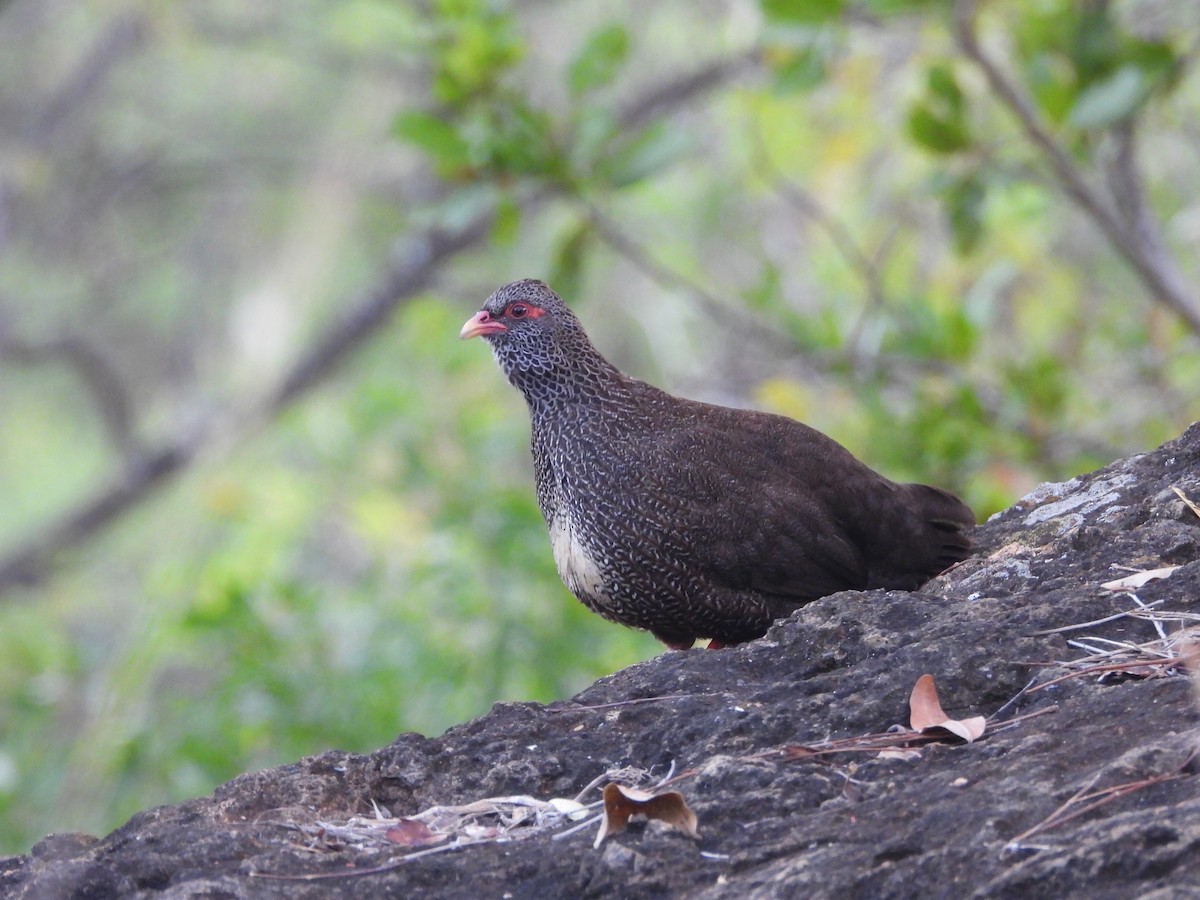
{"x":744,"y":495}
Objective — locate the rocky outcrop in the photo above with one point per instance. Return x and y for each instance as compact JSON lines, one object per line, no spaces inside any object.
{"x":1084,"y":784}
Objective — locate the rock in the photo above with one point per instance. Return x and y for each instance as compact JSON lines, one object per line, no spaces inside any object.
{"x":947,"y":823}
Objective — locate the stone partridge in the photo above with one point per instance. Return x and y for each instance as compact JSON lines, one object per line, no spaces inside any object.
{"x":691,"y":520}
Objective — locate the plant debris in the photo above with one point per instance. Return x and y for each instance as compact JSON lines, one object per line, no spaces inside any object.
{"x":926,"y":713}
{"x":1085,"y":800}
{"x":621,"y":804}
{"x":439,"y":829}
{"x":1163,"y":657}
{"x":1138,"y":579}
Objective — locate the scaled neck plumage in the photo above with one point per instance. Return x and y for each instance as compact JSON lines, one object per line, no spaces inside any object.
{"x":558,"y":376}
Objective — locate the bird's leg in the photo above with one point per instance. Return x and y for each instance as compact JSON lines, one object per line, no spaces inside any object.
{"x":715,"y":644}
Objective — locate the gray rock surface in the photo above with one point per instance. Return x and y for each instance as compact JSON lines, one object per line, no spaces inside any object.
{"x":776,"y":822}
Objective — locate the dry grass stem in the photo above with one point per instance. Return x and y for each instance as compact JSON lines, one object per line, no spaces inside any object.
{"x":1162,"y":657}
{"x":1159,"y":658}
{"x":1129,"y":613}
{"x":1085,"y":800}
{"x":1184,"y":497}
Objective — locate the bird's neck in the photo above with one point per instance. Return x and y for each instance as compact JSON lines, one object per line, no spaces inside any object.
{"x":550,"y":384}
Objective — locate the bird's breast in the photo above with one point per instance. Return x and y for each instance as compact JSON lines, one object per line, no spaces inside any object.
{"x":577,"y":567}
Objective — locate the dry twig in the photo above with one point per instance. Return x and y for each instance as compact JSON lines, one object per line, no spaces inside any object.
{"x":1090,"y":800}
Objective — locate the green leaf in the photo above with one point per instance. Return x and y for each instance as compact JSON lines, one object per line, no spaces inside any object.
{"x":935,"y":132}
{"x":898,"y":7}
{"x":1110,"y":99}
{"x":1157,"y":60}
{"x":598,"y":63}
{"x":965,"y":200}
{"x":509,"y":137}
{"x":807,"y":12}
{"x":654,"y":149}
{"x":435,"y":136}
{"x":800,"y":70}
{"x":1052,"y":84}
{"x":938,"y":121}
{"x":765,"y":295}
{"x":944,"y":86}
{"x":477,"y":47}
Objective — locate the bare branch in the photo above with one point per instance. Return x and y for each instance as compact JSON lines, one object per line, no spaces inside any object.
{"x":1157,"y":272}
{"x":122,"y":34}
{"x":633,"y":252}
{"x":422,"y":259}
{"x":865,"y":266}
{"x":674,"y":94}
{"x":1129,"y":189}
{"x":96,"y":373}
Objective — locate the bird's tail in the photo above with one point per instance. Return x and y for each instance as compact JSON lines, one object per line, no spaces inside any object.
{"x":935,"y":534}
{"x":948,"y":522}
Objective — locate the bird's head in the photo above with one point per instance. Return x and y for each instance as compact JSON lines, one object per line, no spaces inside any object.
{"x":536,"y":338}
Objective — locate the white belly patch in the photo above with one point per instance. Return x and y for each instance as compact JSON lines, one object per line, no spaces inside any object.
{"x":576,"y":567}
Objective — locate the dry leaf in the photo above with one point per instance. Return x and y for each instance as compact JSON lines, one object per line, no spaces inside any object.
{"x":623,"y":803}
{"x":413,"y":833}
{"x":1138,"y":579}
{"x":925,"y":713}
{"x":899,"y":753}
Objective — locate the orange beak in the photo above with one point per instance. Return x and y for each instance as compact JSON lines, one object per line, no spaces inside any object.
{"x":481,"y":323}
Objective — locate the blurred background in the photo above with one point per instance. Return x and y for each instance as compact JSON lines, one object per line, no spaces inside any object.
{"x":257,"y":500}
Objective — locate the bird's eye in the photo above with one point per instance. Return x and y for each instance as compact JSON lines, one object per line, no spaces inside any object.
{"x":518,"y":310}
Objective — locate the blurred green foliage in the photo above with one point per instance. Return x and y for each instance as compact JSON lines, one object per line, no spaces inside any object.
{"x":843,"y":225}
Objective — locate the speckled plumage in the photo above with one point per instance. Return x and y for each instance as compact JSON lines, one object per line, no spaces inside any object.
{"x":697,"y":521}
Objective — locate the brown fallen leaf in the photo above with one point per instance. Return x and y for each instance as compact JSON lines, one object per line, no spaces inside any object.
{"x":1138,"y":579}
{"x":925,"y":713}
{"x":413,"y":833}
{"x":623,"y":803}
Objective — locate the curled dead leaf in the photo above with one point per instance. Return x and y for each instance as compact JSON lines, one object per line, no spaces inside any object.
{"x":1138,"y":579}
{"x":623,"y":803}
{"x":925,"y":713}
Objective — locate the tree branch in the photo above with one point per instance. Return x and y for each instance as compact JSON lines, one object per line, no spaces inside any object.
{"x":1157,"y":271}
{"x":674,"y":94}
{"x":1129,"y":189}
{"x":865,"y":266}
{"x":121,"y":35}
{"x":95,"y":372}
